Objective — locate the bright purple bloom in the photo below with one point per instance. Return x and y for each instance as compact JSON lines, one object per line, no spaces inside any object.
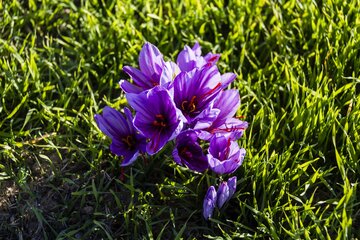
{"x":209,"y":202}
{"x":151,"y":71}
{"x":195,"y":91}
{"x":224,"y":156}
{"x":188,"y":152}
{"x":232,"y":185}
{"x":126,"y":142}
{"x":227,"y":102}
{"x":223,"y":194}
{"x":190,"y":58}
{"x":156,"y":117}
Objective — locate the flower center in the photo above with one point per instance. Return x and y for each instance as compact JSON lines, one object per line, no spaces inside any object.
{"x":193,"y":107}
{"x":189,"y":106}
{"x":160,"y":121}
{"x":129,"y":141}
{"x":185,"y":153}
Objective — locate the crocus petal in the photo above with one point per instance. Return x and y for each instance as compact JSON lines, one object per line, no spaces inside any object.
{"x":221,"y":167}
{"x":136,"y":101}
{"x":125,"y":141}
{"x":222,"y":194}
{"x":119,"y":148}
{"x":232,"y":185}
{"x":233,"y":128}
{"x":227,"y":78}
{"x":194,"y":91}
{"x":128,"y":87}
{"x":206,"y":118}
{"x":197,"y":49}
{"x":227,"y":166}
{"x":169,"y":72}
{"x":140,"y":79}
{"x":151,"y":62}
{"x":112,"y":123}
{"x":217,"y":145}
{"x":224,"y":156}
{"x":186,"y":59}
{"x":177,"y":158}
{"x":156,"y":117}
{"x":211,"y":58}
{"x":100,"y":121}
{"x":209,"y":202}
{"x":205,"y":135}
{"x":156,"y":143}
{"x":188,"y":152}
{"x":228,"y":102}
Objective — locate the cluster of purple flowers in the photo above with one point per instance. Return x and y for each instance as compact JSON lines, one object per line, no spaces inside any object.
{"x":186,"y":102}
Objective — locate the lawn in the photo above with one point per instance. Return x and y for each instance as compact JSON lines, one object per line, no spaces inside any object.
{"x":298,"y":75}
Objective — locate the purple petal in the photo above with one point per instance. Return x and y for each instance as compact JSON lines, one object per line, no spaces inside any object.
{"x":206,"y":118}
{"x":217,"y":145}
{"x":119,"y":148}
{"x":150,"y":106}
{"x":128,"y":87}
{"x":157,"y":142}
{"x":176,"y":157}
{"x":194,"y":91}
{"x":139,"y":103}
{"x":125,"y":141}
{"x":186,"y":59}
{"x":227,"y":78}
{"x":211,"y":58}
{"x":222,"y":167}
{"x":197,"y":49}
{"x":232,"y":185}
{"x":224,"y":156}
{"x":151,"y":62}
{"x":222,"y":194}
{"x":189,"y":152}
{"x":139,"y":78}
{"x":170,"y":71}
{"x":232,"y":128}
{"x":112,"y":123}
{"x":100,"y":121}
{"x":228,"y":102}
{"x":209,"y":202}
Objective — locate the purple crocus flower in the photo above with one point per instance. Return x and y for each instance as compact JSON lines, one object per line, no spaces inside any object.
{"x":194,"y":91}
{"x":209,"y":202}
{"x":224,"y":156}
{"x":227,"y":102}
{"x":223,"y":194}
{"x":156,"y":117}
{"x":153,"y":71}
{"x":188,"y":152}
{"x":126,"y":142}
{"x":190,"y":58}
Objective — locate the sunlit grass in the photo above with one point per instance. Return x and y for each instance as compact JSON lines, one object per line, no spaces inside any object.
{"x":298,"y":72}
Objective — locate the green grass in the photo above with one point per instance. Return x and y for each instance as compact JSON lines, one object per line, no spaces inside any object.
{"x":298,"y":66}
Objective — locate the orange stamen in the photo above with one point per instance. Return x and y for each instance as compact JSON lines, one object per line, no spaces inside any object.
{"x":128,"y":140}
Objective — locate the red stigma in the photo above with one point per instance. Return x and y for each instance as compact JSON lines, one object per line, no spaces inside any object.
{"x":212,"y":90}
{"x":227,"y":129}
{"x":227,"y":151}
{"x":159,"y":121}
{"x":213,"y":58}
